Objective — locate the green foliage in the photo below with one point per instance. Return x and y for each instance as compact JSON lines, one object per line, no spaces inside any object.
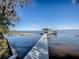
{"x":4,"y":50}
{"x":8,"y":15}
{"x":4,"y":23}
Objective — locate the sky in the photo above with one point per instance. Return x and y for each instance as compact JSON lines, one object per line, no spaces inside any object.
{"x":54,"y":14}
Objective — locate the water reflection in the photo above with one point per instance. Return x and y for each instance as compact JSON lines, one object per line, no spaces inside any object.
{"x":66,"y":44}
{"x":23,"y":43}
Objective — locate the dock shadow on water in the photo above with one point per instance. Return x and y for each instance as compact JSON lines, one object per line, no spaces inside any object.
{"x":64,"y":46}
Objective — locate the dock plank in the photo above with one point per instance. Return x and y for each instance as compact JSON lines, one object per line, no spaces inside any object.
{"x":39,"y":50}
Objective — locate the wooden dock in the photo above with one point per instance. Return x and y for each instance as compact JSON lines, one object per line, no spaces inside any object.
{"x":13,"y":50}
{"x":40,"y":49}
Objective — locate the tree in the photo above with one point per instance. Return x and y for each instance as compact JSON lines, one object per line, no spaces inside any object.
{"x":8,"y":16}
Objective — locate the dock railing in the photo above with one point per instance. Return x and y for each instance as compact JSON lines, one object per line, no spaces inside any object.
{"x":13,"y":50}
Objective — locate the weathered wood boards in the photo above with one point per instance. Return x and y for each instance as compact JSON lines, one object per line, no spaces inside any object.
{"x":40,"y":50}
{"x":14,"y":56}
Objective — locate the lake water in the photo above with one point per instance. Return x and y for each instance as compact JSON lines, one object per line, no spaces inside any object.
{"x":66,"y":43}
{"x":24,"y":44}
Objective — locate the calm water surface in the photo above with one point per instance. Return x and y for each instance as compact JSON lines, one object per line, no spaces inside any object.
{"x":24,"y":44}
{"x":65,"y":43}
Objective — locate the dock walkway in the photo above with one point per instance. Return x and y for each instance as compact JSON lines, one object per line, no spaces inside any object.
{"x":40,"y":49}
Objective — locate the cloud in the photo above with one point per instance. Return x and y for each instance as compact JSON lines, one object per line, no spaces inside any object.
{"x":67,"y":27}
{"x":34,"y":26}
